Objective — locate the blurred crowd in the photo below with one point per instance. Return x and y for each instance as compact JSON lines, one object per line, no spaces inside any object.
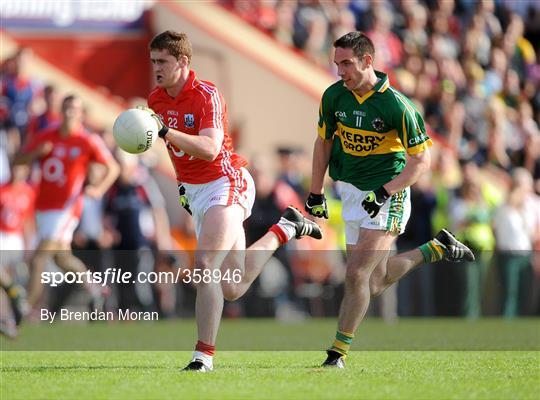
{"x":472,"y":70}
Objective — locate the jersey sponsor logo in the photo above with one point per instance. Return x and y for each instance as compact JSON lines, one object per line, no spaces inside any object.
{"x":378,"y":124}
{"x":359,"y":144}
{"x":172,"y":112}
{"x":417,"y":140}
{"x":189,"y":120}
{"x":52,"y":171}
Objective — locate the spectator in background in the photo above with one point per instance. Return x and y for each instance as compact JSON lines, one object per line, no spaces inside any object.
{"x":19,"y":90}
{"x":486,"y":8}
{"x":136,"y":213}
{"x":471,"y":214}
{"x":442,"y":46}
{"x":527,"y":128}
{"x":388,"y":45}
{"x":283,"y":31}
{"x":475,"y":124}
{"x":418,"y":286}
{"x":311,"y":30}
{"x":415,"y":37}
{"x":290,"y":171}
{"x":271,"y":199}
{"x":476,"y":43}
{"x":494,"y":76}
{"x":50,"y":115}
{"x":517,"y":228}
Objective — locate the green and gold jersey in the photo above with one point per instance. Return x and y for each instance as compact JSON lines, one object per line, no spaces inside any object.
{"x":370,"y":133}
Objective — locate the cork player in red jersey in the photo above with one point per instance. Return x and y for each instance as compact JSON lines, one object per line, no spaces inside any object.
{"x":214,"y":186}
{"x":64,"y":153}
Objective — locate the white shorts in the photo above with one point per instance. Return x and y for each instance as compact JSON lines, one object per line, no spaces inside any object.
{"x":56,"y":225}
{"x":224,"y":191}
{"x":11,"y":248}
{"x":392,"y":217}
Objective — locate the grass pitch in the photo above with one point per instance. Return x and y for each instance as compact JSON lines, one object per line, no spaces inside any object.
{"x":257,"y":374}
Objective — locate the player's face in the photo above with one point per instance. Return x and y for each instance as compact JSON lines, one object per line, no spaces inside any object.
{"x":351,"y":69}
{"x":73,"y":111}
{"x":166,"y":68}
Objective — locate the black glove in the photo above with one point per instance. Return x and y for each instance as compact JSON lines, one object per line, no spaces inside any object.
{"x":183,"y":199}
{"x":374,"y":201}
{"x":316,"y":205}
{"x":163,"y":129}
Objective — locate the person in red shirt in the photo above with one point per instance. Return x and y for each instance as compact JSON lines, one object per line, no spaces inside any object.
{"x":214,"y":186}
{"x":16,"y":205}
{"x":64,"y":154}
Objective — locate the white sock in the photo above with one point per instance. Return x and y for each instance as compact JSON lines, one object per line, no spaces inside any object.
{"x":287,"y":227}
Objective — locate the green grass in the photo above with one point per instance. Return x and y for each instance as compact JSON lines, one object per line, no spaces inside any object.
{"x":495,"y":373}
{"x":271,"y":375}
{"x":269,"y":334}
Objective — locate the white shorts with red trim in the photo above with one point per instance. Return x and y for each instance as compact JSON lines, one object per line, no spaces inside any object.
{"x":56,"y":225}
{"x":225,"y":191}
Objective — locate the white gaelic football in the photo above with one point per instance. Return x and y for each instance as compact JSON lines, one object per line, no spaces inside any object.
{"x":135,"y":130}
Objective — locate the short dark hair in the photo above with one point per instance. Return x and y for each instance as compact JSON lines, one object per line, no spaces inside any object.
{"x":358,"y":42}
{"x":68,"y":99}
{"x":176,"y":43}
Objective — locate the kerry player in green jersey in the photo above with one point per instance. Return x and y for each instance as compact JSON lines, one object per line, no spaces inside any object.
{"x":374,"y":142}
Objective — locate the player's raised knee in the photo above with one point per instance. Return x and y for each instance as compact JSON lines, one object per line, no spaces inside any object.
{"x":357,"y":274}
{"x":232,"y":293}
{"x":376,"y":289}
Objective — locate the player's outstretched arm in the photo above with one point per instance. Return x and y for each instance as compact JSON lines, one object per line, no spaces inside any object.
{"x":417,"y":165}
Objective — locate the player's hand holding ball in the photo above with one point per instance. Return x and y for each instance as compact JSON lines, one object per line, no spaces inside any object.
{"x":163,"y":129}
{"x":316,"y":205}
{"x":136,"y":130}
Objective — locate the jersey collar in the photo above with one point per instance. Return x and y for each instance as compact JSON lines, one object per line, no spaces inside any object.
{"x":383,"y":82}
{"x":190,"y":82}
{"x":381,"y":85}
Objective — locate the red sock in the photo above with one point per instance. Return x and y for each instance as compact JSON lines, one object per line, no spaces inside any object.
{"x":205,"y":348}
{"x":282,"y":236}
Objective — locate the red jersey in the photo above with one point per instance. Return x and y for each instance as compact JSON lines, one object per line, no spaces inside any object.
{"x":64,"y":169}
{"x":198,"y":106}
{"x":16,"y":205}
